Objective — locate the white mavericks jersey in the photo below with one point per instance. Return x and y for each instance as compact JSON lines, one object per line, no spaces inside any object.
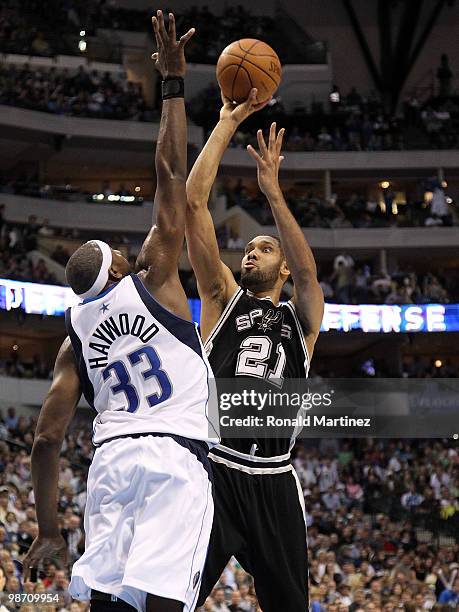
{"x":141,"y":367}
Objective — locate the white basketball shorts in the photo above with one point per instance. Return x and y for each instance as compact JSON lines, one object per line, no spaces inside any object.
{"x":148,"y":520}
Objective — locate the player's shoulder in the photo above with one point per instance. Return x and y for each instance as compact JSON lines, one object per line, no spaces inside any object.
{"x":288,"y":306}
{"x":66,"y":356}
{"x":291,"y":315}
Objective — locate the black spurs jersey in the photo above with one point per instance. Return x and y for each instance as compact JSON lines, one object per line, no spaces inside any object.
{"x":254,"y":338}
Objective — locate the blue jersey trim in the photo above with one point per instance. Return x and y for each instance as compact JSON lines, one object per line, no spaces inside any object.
{"x":97,"y":297}
{"x":183,"y":330}
{"x":86,"y":384}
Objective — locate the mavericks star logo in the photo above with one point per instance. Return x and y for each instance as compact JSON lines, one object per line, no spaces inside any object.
{"x":270,"y":318}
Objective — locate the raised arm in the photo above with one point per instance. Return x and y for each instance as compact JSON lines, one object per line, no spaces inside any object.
{"x":216,"y":282}
{"x":55,"y":416}
{"x":308,"y":297}
{"x":161,"y":250}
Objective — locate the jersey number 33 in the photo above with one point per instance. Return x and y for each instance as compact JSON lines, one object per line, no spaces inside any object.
{"x":144,"y":356}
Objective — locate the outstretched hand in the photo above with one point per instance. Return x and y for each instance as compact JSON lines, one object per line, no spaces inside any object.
{"x":170,"y":57}
{"x":239,"y":112}
{"x":50,"y":548}
{"x":268,"y":159}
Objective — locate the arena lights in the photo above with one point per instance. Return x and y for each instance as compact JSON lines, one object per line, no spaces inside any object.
{"x":53,"y":300}
{"x":82,"y":44}
{"x":99,"y":197}
{"x":34,"y":298}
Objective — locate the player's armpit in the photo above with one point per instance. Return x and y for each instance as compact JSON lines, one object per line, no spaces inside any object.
{"x":213,"y":304}
{"x":169,"y":294}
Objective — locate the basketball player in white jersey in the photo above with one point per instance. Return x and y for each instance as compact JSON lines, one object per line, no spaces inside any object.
{"x":137,"y":358}
{"x":259,"y":506}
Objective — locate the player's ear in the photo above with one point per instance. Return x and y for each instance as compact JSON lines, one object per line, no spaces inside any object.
{"x":285,"y":269}
{"x":115,"y":272}
{"x":117,"y":269}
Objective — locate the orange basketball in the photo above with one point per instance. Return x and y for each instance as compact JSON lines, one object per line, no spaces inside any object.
{"x":245,"y":64}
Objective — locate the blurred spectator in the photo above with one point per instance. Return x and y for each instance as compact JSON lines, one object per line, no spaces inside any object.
{"x":29,"y":234}
{"x":235,"y":241}
{"x":343,"y":278}
{"x":40,"y":45}
{"x":219,"y":601}
{"x":439,"y":213}
{"x":84,"y":94}
{"x":411,"y":499}
{"x":11,"y":421}
{"x":45,"y":230}
{"x":450,"y":596}
{"x":60,"y":255}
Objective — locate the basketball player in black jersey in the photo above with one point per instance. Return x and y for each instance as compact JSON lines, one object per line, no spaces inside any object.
{"x":259,"y":507}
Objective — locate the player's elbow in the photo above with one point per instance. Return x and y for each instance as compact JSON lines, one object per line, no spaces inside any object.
{"x":171,"y":225}
{"x":171,"y":172}
{"x":194,"y":204}
{"x":46,"y":440}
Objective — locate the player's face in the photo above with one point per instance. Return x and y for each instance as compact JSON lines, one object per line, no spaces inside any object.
{"x":262,"y":264}
{"x":120,"y":265}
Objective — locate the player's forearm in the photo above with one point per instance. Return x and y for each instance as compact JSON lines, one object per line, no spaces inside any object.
{"x":171,"y":154}
{"x":298,"y":254}
{"x":204,"y":171}
{"x":45,"y":477}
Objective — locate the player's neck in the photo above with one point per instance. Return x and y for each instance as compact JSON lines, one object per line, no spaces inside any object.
{"x":272,"y":294}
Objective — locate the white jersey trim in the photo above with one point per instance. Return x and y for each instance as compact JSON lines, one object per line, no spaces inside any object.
{"x":307,"y":360}
{"x":225,"y":314}
{"x":302,"y":504}
{"x":253,"y":458}
{"x":250,"y":470}
{"x":301,"y":411}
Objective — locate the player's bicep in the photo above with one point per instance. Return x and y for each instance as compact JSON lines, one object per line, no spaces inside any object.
{"x":213,"y":277}
{"x":309,"y":305}
{"x":62,"y":398}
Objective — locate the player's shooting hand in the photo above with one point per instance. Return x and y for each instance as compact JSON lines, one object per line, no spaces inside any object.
{"x":268,"y":159}
{"x":237,"y":113}
{"x":170,"y":57}
{"x":50,"y":548}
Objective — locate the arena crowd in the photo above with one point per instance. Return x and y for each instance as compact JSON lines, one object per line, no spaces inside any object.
{"x":80,"y":93}
{"x":346,"y":282}
{"x":382,"y":520}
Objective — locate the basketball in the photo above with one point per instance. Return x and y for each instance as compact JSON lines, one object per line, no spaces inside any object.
{"x":245,"y":64}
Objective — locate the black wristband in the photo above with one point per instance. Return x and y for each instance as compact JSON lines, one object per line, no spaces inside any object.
{"x":173,"y":87}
